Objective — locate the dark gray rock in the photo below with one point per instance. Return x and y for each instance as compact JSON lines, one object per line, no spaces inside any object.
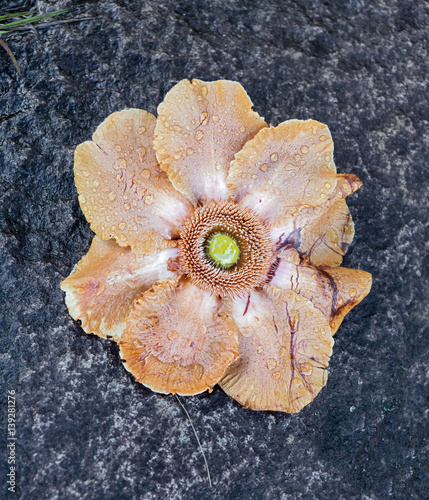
{"x":86,"y":430}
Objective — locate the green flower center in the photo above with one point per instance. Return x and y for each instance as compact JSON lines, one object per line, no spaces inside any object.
{"x":222,"y":250}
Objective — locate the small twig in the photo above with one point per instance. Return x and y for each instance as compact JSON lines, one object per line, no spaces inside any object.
{"x":196,"y":435}
{"x":7,"y":49}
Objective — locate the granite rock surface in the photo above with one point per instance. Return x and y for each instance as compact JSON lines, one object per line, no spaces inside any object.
{"x":85,"y":429}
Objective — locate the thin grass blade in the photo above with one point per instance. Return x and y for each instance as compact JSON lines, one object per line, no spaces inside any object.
{"x":34,"y":19}
{"x":17,"y":14}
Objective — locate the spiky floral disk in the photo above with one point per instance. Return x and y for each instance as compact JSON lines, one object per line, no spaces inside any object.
{"x":252,"y":238}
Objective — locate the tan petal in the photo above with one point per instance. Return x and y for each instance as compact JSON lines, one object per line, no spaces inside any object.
{"x":122,"y":192}
{"x":285,"y":345}
{"x":101,"y":290}
{"x":334,"y":291}
{"x":283,"y":168}
{"x":323,"y":233}
{"x":201,"y":125}
{"x":179,"y":339}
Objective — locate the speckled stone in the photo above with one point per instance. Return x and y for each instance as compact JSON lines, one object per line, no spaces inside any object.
{"x":86,"y":430}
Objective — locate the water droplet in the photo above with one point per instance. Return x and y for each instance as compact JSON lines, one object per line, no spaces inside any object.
{"x":204,"y":90}
{"x":352,"y":292}
{"x":172,"y":335}
{"x":148,"y":199}
{"x":121,"y":226}
{"x":306,"y":369}
{"x":297,"y":157}
{"x":127,"y":206}
{"x":323,"y":195}
{"x":142,"y":130}
{"x":215,"y":118}
{"x":242,"y":129}
{"x":112,"y":196}
{"x":176,"y":357}
{"x":271,"y":364}
{"x":243,"y":175}
{"x":264,"y":167}
{"x":283,"y":352}
{"x":142,"y":153}
{"x":254,"y":176}
{"x":225,"y":131}
{"x":117,"y":147}
{"x":82,"y":198}
{"x":123,"y":237}
{"x":322,"y":138}
{"x":199,"y":134}
{"x":139,"y":219}
{"x":177,"y":155}
{"x":198,"y":371}
{"x":304,"y":150}
{"x":260,"y":349}
{"x":120,"y":163}
{"x":204,"y":118}
{"x":246,"y":332}
{"x":146,"y":173}
{"x":85,"y":173}
{"x":327,"y":185}
{"x":96,"y":183}
{"x":189,"y":151}
{"x":276,"y":375}
{"x":274,"y":157}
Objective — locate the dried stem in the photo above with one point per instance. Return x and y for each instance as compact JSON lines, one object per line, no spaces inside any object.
{"x":199,"y":444}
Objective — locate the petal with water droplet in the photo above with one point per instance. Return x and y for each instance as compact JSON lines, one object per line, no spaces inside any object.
{"x":215,"y":120}
{"x":102,"y":288}
{"x":129,"y":184}
{"x":179,"y":339}
{"x":285,"y":368}
{"x":334,"y":291}
{"x":286,"y":178}
{"x":322,"y":234}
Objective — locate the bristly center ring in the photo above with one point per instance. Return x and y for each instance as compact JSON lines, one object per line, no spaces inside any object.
{"x":225,"y":248}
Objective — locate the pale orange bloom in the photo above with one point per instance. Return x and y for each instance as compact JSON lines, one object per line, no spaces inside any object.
{"x":156,"y":191}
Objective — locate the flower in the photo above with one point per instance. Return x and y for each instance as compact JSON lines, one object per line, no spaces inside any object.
{"x":218,"y":247}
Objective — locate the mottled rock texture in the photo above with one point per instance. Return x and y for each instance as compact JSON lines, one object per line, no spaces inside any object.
{"x":86,"y":430}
